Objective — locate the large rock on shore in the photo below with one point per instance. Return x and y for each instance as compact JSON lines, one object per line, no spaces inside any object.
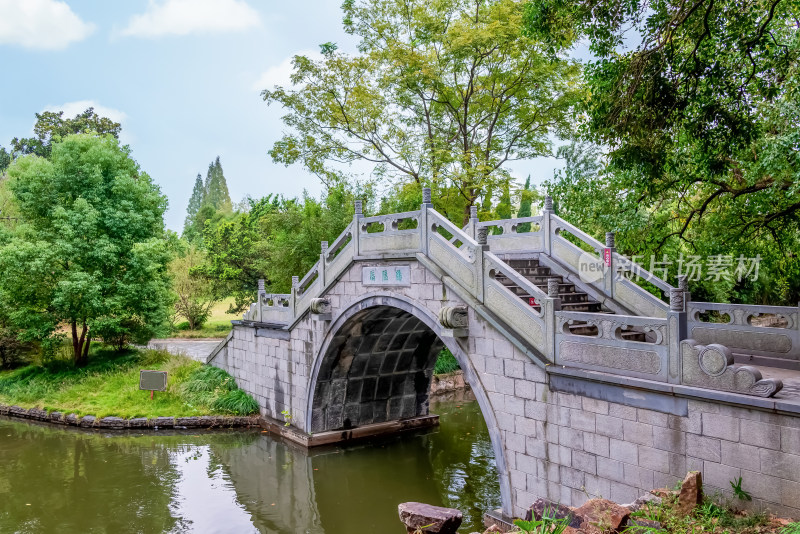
{"x":691,"y":493}
{"x":427,"y":518}
{"x":602,"y":514}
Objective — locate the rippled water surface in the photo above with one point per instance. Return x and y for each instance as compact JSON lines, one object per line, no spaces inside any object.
{"x":66,"y":480}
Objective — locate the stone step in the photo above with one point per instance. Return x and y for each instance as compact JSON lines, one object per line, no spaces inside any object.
{"x":517,"y":264}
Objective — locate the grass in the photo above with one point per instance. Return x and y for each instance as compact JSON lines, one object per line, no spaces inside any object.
{"x":218,"y":324}
{"x":446,"y":363}
{"x":709,"y":517}
{"x":109,"y":385}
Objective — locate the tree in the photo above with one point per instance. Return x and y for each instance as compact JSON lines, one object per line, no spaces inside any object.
{"x":195,"y":202}
{"x":701,"y":114}
{"x":5,"y":159}
{"x":441,"y":93}
{"x":89,"y":252}
{"x":216,"y":188}
{"x":526,"y":199}
{"x":195,"y":296}
{"x":51,"y":127}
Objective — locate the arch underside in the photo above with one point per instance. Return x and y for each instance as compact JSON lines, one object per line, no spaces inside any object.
{"x":378,"y":367}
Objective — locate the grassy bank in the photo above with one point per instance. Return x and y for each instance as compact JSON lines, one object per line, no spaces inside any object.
{"x":109,"y":385}
{"x":218,"y":324}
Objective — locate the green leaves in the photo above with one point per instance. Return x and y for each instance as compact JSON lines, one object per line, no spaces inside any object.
{"x":90,"y":249}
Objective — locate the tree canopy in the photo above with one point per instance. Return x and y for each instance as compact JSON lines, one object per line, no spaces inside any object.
{"x":90,"y":250}
{"x":443,"y":93}
{"x":51,"y":127}
{"x":210,"y":199}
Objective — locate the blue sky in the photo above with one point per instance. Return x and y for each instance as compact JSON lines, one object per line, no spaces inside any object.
{"x":182,"y":76}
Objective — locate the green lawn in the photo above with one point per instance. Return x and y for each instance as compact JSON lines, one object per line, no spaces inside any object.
{"x":218,"y":325}
{"x":109,"y":385}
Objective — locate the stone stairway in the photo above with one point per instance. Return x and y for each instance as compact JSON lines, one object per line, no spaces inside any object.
{"x":571,"y":299}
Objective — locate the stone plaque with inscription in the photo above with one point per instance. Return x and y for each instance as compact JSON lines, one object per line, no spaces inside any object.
{"x":386,"y":275}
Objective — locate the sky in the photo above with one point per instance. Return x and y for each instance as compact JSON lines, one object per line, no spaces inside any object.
{"x":183,"y":77}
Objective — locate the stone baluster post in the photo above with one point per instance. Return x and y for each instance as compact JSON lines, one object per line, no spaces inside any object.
{"x":676,"y":332}
{"x":546,"y":225}
{"x":550,"y":306}
{"x":683,"y":285}
{"x":472,"y":225}
{"x":357,"y":215}
{"x":482,"y":238}
{"x":262,"y":295}
{"x":424,"y":225}
{"x":610,"y":275}
{"x":295,"y":285}
{"x":323,"y":260}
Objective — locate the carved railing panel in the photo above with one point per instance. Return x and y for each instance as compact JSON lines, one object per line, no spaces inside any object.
{"x":391,"y":239}
{"x":462,"y":263}
{"x":609,"y":350}
{"x":523,"y":234}
{"x":743,"y":332}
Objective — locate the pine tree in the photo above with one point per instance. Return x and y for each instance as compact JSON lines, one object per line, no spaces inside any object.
{"x":525,"y":202}
{"x":217,"y":188}
{"x":195,"y":202}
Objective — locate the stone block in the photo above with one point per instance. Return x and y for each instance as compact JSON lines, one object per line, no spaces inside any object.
{"x":514,"y":369}
{"x":704,"y":448}
{"x":596,"y":444}
{"x":515,"y":442}
{"x":654,"y":459}
{"x":740,"y":455}
{"x":652,"y":418}
{"x":640,"y":433}
{"x":595,"y":405}
{"x":526,"y":464}
{"x":720,"y":475}
{"x":609,"y":426}
{"x":790,"y":493}
{"x":610,"y":469}
{"x":535,"y":410}
{"x":582,"y":420}
{"x":669,"y":440}
{"x":572,"y":478}
{"x":597,"y":486}
{"x":721,"y":426}
{"x":790,"y":440}
{"x":514,"y":405}
{"x":622,"y":411}
{"x":623,"y":492}
{"x":780,"y":464}
{"x":525,"y":426}
{"x":584,"y":462}
{"x":525,"y":389}
{"x":624,"y":451}
{"x":569,"y":437}
{"x":639,"y":477}
{"x":677,"y":464}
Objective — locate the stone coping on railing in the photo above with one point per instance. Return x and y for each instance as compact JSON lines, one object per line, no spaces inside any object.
{"x":137,"y":423}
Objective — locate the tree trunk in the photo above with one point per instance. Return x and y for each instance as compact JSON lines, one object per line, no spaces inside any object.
{"x":80,"y":344}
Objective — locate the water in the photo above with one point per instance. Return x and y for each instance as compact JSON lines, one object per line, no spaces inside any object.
{"x":66,"y":480}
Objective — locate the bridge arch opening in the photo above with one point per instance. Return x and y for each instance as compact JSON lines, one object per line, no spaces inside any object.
{"x":376,"y":365}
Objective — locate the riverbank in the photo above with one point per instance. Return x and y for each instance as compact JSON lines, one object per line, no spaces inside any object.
{"x":109,"y":387}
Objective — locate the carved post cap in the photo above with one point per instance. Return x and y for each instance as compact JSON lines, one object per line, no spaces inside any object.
{"x":548,"y":203}
{"x":324,"y":246}
{"x":552,"y":287}
{"x":473,"y":212}
{"x":454,"y":316}
{"x":683,"y":282}
{"x":675,"y":300}
{"x":426,"y":195}
{"x":295,"y":281}
{"x":358,"y":207}
{"x":482,"y":235}
{"x":261,"y":284}
{"x":610,"y":239}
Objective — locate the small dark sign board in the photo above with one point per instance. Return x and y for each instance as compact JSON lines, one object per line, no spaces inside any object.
{"x":153,"y":380}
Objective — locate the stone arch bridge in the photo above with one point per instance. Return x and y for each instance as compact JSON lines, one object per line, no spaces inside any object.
{"x":589,"y":384}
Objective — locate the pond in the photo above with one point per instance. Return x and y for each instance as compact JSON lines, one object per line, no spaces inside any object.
{"x":65,"y":480}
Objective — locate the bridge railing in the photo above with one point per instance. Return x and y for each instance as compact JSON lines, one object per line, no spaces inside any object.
{"x":623,"y":344}
{"x":554,"y":237}
{"x":766,"y":334}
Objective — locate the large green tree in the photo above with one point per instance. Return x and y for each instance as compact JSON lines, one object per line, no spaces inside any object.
{"x":90,"y":251}
{"x":444,"y":93}
{"x":51,"y":126}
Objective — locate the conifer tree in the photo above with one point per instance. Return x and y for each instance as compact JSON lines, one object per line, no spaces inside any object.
{"x":525,"y":202}
{"x":195,"y":202}
{"x":217,"y":188}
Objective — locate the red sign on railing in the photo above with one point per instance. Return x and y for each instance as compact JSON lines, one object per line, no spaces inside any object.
{"x":532,"y":301}
{"x":607,"y":256}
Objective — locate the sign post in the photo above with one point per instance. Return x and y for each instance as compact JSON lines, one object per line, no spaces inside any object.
{"x":152,"y":381}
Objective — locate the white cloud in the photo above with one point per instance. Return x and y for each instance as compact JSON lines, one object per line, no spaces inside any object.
{"x":182,"y":17}
{"x":281,"y":73}
{"x":42,"y":24}
{"x":71,"y":109}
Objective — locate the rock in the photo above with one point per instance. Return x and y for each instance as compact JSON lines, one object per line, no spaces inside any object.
{"x":664,"y":493}
{"x":554,"y":510}
{"x":112,"y":422}
{"x":647,"y":498}
{"x":162,"y":422}
{"x":644,"y":525}
{"x":691,"y":493}
{"x":416,"y":515}
{"x":603,"y":514}
{"x":87,"y":421}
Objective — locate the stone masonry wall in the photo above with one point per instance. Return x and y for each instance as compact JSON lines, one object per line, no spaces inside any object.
{"x":562,"y":446}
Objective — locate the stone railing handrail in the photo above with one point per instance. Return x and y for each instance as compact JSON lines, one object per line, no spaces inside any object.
{"x":339,"y":243}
